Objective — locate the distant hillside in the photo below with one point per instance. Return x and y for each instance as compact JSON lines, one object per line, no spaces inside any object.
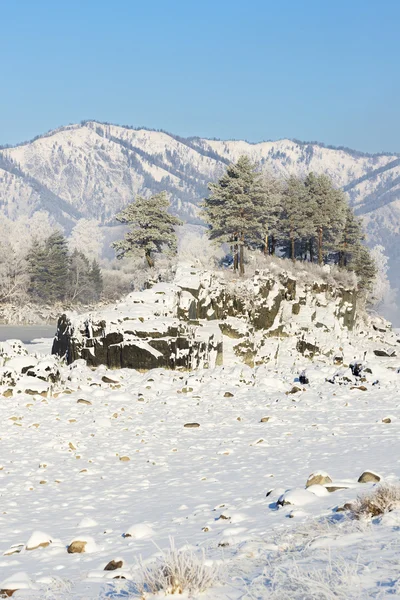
{"x":93,"y":169}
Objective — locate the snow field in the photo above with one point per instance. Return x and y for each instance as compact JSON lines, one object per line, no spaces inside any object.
{"x":123,"y":475}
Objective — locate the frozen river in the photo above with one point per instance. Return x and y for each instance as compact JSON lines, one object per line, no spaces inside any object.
{"x":26,"y":333}
{"x":37,"y":338}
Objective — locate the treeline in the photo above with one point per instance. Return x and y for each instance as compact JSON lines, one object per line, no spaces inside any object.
{"x":304,"y":219}
{"x":56,"y":275}
{"x":47,"y":272}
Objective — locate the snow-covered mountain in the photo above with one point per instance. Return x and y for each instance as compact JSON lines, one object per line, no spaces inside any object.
{"x":93,"y":169}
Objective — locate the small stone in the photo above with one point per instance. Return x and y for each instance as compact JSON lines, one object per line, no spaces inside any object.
{"x":318,"y":479}
{"x":387,"y":420}
{"x":228,"y":395}
{"x":369,"y":476}
{"x":82,"y":401}
{"x":386,"y":353}
{"x":124,"y":458}
{"x":294,"y":390}
{"x":106,"y":379}
{"x":345,"y":507}
{"x":6,"y":593}
{"x":114,"y":565}
{"x":359,"y":387}
{"x":206,"y":529}
{"x":8,"y":393}
{"x":76,"y":547}
{"x":265,"y":419}
{"x":191,"y":425}
{"x":335,"y":488}
{"x":71,"y":446}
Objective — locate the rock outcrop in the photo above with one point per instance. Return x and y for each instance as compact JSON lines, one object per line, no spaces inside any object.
{"x":183,"y":325}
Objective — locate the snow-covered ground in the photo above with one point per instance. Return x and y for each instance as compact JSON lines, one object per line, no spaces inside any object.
{"x":123,"y":462}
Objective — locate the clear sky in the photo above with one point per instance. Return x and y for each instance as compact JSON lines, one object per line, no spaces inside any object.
{"x":324,"y":70}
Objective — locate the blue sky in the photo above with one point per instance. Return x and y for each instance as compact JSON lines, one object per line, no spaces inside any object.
{"x":324,"y":70}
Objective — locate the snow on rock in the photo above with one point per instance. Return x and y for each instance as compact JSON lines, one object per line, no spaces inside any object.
{"x":190,"y":322}
{"x":38,"y":539}
{"x":18,"y":581}
{"x":318,"y":478}
{"x":139,"y":531}
{"x":81,"y":544}
{"x":297,"y":496}
{"x":87,"y":522}
{"x":368,"y":476}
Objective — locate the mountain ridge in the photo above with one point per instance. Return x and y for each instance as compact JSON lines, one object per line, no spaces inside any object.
{"x":93,"y":169}
{"x":190,"y":138}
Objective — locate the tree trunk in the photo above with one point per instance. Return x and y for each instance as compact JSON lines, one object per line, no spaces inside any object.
{"x":342,"y":256}
{"x":235,"y":258}
{"x":311,"y":247}
{"x":241,"y":259}
{"x":320,"y":246}
{"x":150,"y":260}
{"x":292,"y":255}
{"x":266,"y":249}
{"x":273,"y":244}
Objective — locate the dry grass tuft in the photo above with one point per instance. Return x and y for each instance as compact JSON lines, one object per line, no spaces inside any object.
{"x":382,"y":499}
{"x":177,"y":572}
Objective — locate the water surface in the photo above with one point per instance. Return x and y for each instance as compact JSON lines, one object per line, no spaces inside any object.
{"x":26,"y":333}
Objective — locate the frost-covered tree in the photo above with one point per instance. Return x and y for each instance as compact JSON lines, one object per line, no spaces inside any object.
{"x":152,"y":228}
{"x":87,"y":237}
{"x":235,"y":210}
{"x":14,"y":278}
{"x":195,"y":247}
{"x":382,"y":296}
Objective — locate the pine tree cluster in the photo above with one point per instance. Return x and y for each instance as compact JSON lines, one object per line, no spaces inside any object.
{"x":301,"y":218}
{"x":55,"y":275}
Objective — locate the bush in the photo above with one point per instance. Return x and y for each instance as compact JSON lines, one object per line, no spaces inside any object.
{"x":336,"y":580}
{"x":382,"y":499}
{"x":176,"y":572}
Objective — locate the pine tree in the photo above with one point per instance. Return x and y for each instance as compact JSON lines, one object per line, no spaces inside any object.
{"x":272,"y":212}
{"x":364,"y":267}
{"x":351,"y":238}
{"x":329,"y":212}
{"x":298,"y":208}
{"x":97,"y":280}
{"x":152,"y":228}
{"x":235,"y":209}
{"x":48,"y":266}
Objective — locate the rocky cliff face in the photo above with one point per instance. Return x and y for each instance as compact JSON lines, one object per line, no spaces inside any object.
{"x":201,"y":316}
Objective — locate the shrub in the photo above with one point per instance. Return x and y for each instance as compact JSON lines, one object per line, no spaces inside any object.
{"x":382,"y":499}
{"x":176,"y":572}
{"x":336,"y":580}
